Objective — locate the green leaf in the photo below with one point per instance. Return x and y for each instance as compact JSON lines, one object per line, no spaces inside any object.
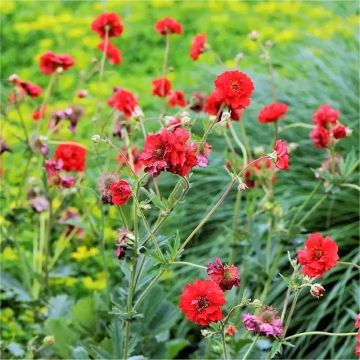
{"x":84,"y":315}
{"x":276,"y":348}
{"x":173,"y":347}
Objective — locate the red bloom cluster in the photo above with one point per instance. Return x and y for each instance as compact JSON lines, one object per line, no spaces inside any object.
{"x":120,"y":192}
{"x":168,"y":26}
{"x":25,"y":87}
{"x":282,"y":156}
{"x":259,"y":171}
{"x":319,"y":256}
{"x":168,"y":151}
{"x":327,"y":128}
{"x":108,"y":21}
{"x":197,"y":46}
{"x":72,"y":155}
{"x":161,"y":87}
{"x":176,"y":98}
{"x":201,"y":301}
{"x":226,"y":276}
{"x":124,"y":101}
{"x":272,"y":112}
{"x":123,"y":158}
{"x":50,"y":61}
{"x":112,"y":52}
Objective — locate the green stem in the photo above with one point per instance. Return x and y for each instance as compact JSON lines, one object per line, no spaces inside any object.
{"x":292,"y":309}
{"x":23,"y":125}
{"x":245,"y":137}
{"x":250,"y":348}
{"x":239,"y":143}
{"x":103,"y":254}
{"x":286,"y":301}
{"x":49,"y":88}
{"x":349,"y":264}
{"x":268,"y":245}
{"x":123,"y":218}
{"x":235,"y":226}
{"x":322,"y":333}
{"x":295,"y":125}
{"x":223,"y":341}
{"x":312,"y":209}
{"x":166,"y":55}
{"x":188,"y":264}
{"x":351,"y":186}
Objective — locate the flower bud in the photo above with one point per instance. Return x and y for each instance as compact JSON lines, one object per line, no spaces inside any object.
{"x":230,"y":330}
{"x":253,"y":35}
{"x":96,"y":138}
{"x":49,"y":340}
{"x":256,"y":303}
{"x":59,"y":70}
{"x":317,"y":290}
{"x":269,"y":43}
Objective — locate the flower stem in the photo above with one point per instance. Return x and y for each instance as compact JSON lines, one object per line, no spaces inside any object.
{"x":235,"y":226}
{"x":245,"y":137}
{"x":240,"y":144}
{"x":286,"y":302}
{"x":250,"y":348}
{"x":23,"y":125}
{"x":223,"y":341}
{"x":349,"y":264}
{"x":292,"y":309}
{"x":166,"y":55}
{"x":322,"y":333}
{"x":188,"y":264}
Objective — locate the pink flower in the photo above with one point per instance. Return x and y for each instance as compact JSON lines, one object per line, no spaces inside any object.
{"x":226,"y":276}
{"x":282,"y":156}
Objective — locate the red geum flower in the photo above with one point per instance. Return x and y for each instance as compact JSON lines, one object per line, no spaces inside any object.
{"x":272,"y":112}
{"x":31,"y":89}
{"x":339,"y":131}
{"x":282,"y":156}
{"x":319,"y":256}
{"x":123,"y":158}
{"x":124,"y":101}
{"x":161,"y":87}
{"x":230,"y":330}
{"x":176,"y":98}
{"x":112,"y":52}
{"x":105,"y":181}
{"x":167,"y":26}
{"x":197,"y":102}
{"x":201,"y":302}
{"x":197,"y":46}
{"x":320,"y":137}
{"x":107,"y":21}
{"x":226,"y":276}
{"x":212,"y":107}
{"x":316,"y":290}
{"x":234,"y":88}
{"x":72,"y":155}
{"x":120,"y":192}
{"x":325,"y":115}
{"x":50,"y":61}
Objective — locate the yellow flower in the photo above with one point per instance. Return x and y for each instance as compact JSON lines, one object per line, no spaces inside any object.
{"x":8,"y":254}
{"x":98,"y":284}
{"x":83,"y":252}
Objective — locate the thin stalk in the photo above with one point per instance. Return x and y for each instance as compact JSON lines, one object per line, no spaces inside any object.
{"x":235,"y":226}
{"x":292,"y":309}
{"x":47,"y":244}
{"x":166,"y":55}
{"x":239,"y":143}
{"x":103,"y":254}
{"x":188,"y":264}
{"x":295,"y":125}
{"x":23,"y":179}
{"x":245,"y":137}
{"x":312,"y":209}
{"x":223,"y":341}
{"x":268,"y":245}
{"x":321,"y":333}
{"x":349,"y":264}
{"x":123,"y":218}
{"x":26,"y":134}
{"x":250,"y":347}
{"x":286,"y":301}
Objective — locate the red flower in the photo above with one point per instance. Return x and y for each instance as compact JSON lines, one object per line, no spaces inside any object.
{"x":50,"y":61}
{"x":357,"y":321}
{"x":112,"y":52}
{"x":320,"y":137}
{"x":201,"y":302}
{"x":234,"y":88}
{"x":316,"y":290}
{"x":124,"y":101}
{"x":168,"y":26}
{"x":262,"y":169}
{"x":212,"y":107}
{"x":176,"y":98}
{"x":230,"y":330}
{"x":197,"y":46}
{"x":168,"y":150}
{"x":109,"y":20}
{"x":339,"y":131}
{"x":123,"y":158}
{"x":226,"y":276}
{"x":72,"y":155}
{"x":161,"y":87}
{"x":39,"y":113}
{"x":325,"y":115}
{"x":82,"y":94}
{"x":319,"y":256}
{"x":31,"y":89}
{"x":272,"y":112}
{"x":120,"y":192}
{"x":282,"y":156}
{"x":67,"y":182}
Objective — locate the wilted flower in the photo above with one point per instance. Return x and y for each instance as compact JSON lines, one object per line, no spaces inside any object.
{"x":39,"y":203}
{"x":226,"y":276}
{"x":105,"y":181}
{"x":282,"y":156}
{"x":197,"y":46}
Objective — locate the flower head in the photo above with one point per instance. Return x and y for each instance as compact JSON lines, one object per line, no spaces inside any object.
{"x":213,"y":105}
{"x":161,"y":87}
{"x":30,"y":89}
{"x":234,"y":88}
{"x":104,"y":182}
{"x":320,"y":255}
{"x":317,"y":290}
{"x":325,"y":115}
{"x":357,"y":321}
{"x":112,"y":52}
{"x":226,"y":276}
{"x":108,"y":21}
{"x":339,"y":131}
{"x":230,"y":330}
{"x":50,"y":62}
{"x":320,"y":137}
{"x":266,"y":323}
{"x":120,"y":192}
{"x":197,"y":46}
{"x":72,"y":155}
{"x":201,"y":301}
{"x":167,"y":26}
{"x":176,"y":98}
{"x":282,"y":156}
{"x":124,"y":101}
{"x":272,"y":112}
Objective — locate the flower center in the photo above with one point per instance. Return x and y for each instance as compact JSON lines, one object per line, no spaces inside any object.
{"x":201,"y":303}
{"x":159,"y":153}
{"x":234,"y":86}
{"x":318,"y":254}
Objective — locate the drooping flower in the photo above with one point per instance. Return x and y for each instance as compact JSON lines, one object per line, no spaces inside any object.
{"x":112,"y":52}
{"x":272,"y":112}
{"x":319,"y":256}
{"x":110,"y":22}
{"x":201,"y":302}
{"x":68,"y":217}
{"x":226,"y":276}
{"x":31,"y":89}
{"x":317,"y":290}
{"x":197,"y":46}
{"x":124,"y":101}
{"x":230,"y":330}
{"x":73,"y":113}
{"x":320,"y":137}
{"x":266,"y":323}
{"x":104,"y":182}
{"x":120,"y":192}
{"x":123,"y":158}
{"x":176,"y":98}
{"x":173,"y":123}
{"x":121,"y":245}
{"x":53,"y":169}
{"x":234,"y":88}
{"x":197,"y":102}
{"x":339,"y":131}
{"x":39,"y":203}
{"x":50,"y":62}
{"x":167,"y":26}
{"x":72,"y":155}
{"x":161,"y":87}
{"x":282,"y":156}
{"x":325,"y":115}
